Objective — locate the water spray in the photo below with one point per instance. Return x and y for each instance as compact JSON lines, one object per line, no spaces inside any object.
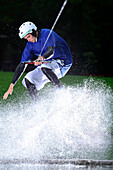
{"x":73,"y":122}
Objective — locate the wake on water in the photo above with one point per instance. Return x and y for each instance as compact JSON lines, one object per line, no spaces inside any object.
{"x":73,"y":122}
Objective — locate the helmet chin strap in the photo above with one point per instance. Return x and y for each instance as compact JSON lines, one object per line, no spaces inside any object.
{"x":36,"y":39}
{"x":37,"y":34}
{"x":34,"y":33}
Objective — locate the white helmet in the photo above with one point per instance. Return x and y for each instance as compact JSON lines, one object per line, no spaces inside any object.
{"x":26,"y":28}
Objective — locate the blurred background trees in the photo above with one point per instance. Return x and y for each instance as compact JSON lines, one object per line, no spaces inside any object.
{"x":86,"y":25}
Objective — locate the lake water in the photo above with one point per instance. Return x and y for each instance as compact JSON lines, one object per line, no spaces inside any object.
{"x":52,"y":167}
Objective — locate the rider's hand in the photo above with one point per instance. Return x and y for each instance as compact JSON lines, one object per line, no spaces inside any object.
{"x":9,"y":91}
{"x":36,"y":62}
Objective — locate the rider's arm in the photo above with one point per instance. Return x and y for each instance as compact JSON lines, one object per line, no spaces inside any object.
{"x":18,"y":72}
{"x":49,"y":52}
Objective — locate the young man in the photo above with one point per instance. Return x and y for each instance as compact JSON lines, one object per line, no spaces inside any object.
{"x":55,"y":52}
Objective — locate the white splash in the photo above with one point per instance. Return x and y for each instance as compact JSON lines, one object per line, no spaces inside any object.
{"x":66,"y":123}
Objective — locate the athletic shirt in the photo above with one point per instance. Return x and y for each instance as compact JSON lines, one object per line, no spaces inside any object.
{"x":61,"y":50}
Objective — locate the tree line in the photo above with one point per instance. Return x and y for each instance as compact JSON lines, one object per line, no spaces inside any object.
{"x":86,"y":25}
